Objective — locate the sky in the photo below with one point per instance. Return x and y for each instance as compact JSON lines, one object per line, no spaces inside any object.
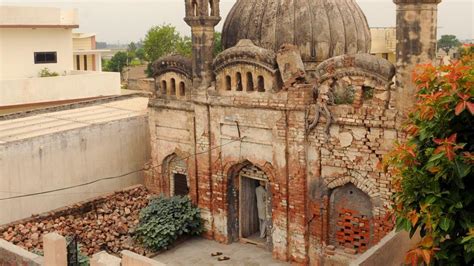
{"x":123,"y":21}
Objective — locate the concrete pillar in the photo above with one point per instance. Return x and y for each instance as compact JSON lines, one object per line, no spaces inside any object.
{"x":104,"y":259}
{"x":55,"y":253}
{"x":416,"y":44}
{"x":98,"y":62}
{"x":132,"y":259}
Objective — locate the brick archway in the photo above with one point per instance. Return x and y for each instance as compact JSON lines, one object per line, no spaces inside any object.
{"x":263,"y":171}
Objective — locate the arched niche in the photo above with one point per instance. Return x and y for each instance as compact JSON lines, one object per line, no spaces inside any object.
{"x":350,"y":218}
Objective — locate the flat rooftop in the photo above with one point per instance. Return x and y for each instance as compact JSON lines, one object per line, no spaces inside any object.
{"x":38,"y":17}
{"x":51,"y":122}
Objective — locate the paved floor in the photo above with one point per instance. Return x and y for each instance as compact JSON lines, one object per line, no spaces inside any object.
{"x":197,"y":252}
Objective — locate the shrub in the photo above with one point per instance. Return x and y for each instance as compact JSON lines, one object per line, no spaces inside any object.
{"x":44,"y":73}
{"x":166,"y":219}
{"x":433,"y":169}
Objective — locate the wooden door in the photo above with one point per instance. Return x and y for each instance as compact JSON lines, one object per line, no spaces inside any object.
{"x":249,"y":223}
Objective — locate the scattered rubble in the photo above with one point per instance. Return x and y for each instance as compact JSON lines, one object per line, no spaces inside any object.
{"x":105,"y":223}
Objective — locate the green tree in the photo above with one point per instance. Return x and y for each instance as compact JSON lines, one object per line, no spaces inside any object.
{"x":118,"y":62}
{"x":159,"y":41}
{"x":432,"y":171}
{"x":217,"y":43}
{"x":185,"y":46}
{"x":447,"y":42}
{"x":132,"y":47}
{"x":141,"y":54}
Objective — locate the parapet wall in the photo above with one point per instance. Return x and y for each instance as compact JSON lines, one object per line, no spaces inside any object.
{"x":14,"y":255}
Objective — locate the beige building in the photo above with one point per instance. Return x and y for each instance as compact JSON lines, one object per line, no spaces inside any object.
{"x":36,"y":39}
{"x":86,"y":55}
{"x":384,"y":43}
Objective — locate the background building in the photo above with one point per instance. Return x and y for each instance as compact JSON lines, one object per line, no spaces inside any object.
{"x":37,"y":62}
{"x":384,"y":43}
{"x":86,"y":55}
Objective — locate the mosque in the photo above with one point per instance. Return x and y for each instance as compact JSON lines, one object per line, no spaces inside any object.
{"x":296,"y":105}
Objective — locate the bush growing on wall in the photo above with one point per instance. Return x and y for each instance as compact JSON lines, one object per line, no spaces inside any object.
{"x":433,"y":169}
{"x":166,"y":219}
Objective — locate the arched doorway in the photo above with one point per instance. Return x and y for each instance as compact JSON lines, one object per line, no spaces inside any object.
{"x":350,"y":218}
{"x":249,"y":200}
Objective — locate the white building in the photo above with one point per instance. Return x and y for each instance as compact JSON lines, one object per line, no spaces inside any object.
{"x":86,"y":55}
{"x":33,"y":40}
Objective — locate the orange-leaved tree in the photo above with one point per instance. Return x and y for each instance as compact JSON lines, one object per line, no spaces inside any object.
{"x":433,"y":169}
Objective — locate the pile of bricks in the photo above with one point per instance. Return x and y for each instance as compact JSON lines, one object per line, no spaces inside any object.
{"x":104,"y":223}
{"x":353,"y":231}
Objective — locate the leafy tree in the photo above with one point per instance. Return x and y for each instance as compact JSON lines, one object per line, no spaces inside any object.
{"x":218,"y":43}
{"x":447,"y":42}
{"x":132,"y":47}
{"x":185,"y":46}
{"x":433,"y":170}
{"x":140,"y":53}
{"x":159,"y":41}
{"x":164,"y":220}
{"x":118,"y":62}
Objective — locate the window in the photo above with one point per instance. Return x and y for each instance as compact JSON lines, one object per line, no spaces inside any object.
{"x":180,"y":185}
{"x":182,"y":89}
{"x":228,"y":83}
{"x":239,"y":82}
{"x":173,"y":87}
{"x":46,"y":58}
{"x":261,"y":84}
{"x":78,"y":62}
{"x":163,"y":87}
{"x":85,"y":62}
{"x":249,"y":81}
{"x":195,"y":8}
{"x":211,"y":8}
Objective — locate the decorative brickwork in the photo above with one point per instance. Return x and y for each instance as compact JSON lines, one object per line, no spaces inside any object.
{"x":353,"y":230}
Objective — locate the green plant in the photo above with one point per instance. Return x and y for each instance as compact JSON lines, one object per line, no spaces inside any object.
{"x":44,"y":73}
{"x":166,"y":219}
{"x":432,"y":171}
{"x":343,"y":95}
{"x":117,"y":62}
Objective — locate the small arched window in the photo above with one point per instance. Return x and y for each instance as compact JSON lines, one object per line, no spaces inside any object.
{"x":164,"y":87}
{"x":250,"y":82}
{"x":173,"y":87}
{"x":228,"y":83}
{"x":239,"y":82}
{"x":211,"y":7}
{"x":182,"y":89}
{"x":261,"y":84}
{"x":195,"y":8}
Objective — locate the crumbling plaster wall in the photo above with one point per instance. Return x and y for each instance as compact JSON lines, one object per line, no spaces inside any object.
{"x":69,"y":158}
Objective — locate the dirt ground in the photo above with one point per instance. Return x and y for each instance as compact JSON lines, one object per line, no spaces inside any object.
{"x":197,"y":251}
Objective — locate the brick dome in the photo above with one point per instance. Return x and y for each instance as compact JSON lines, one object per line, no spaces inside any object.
{"x":320,"y":28}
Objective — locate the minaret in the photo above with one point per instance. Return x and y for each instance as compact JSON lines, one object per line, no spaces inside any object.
{"x":416,"y":44}
{"x":202,"y":16}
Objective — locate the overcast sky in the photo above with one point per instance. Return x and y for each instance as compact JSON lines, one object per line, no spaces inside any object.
{"x":122,"y":21}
